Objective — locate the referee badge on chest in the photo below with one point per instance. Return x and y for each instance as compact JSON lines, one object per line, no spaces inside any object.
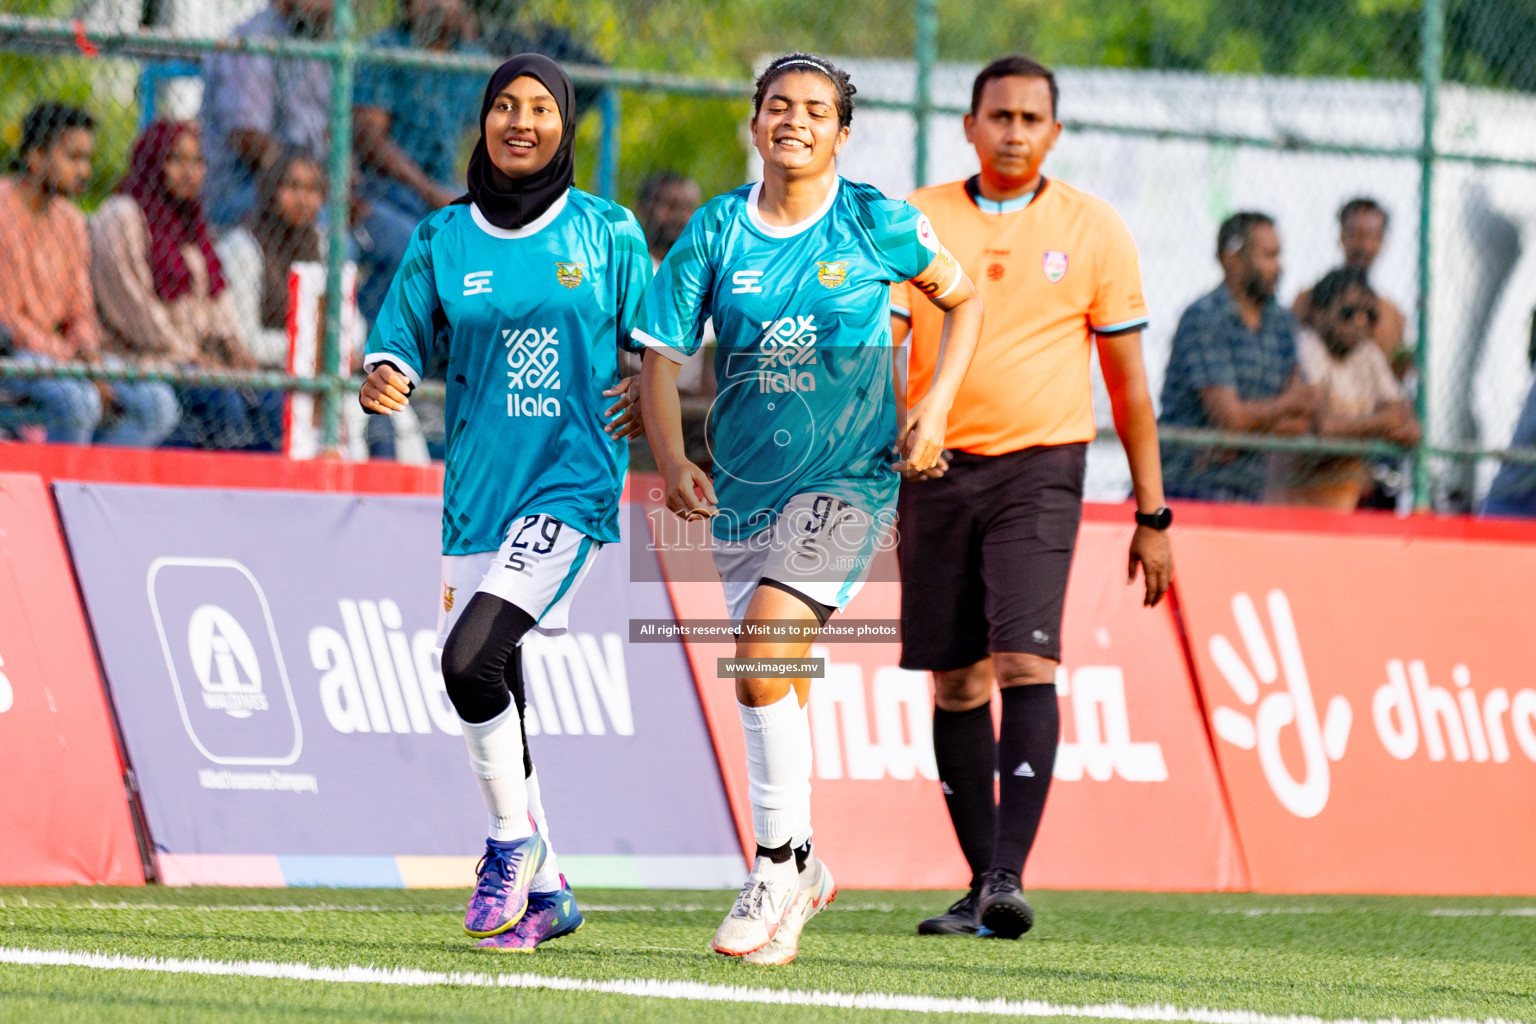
{"x":1055,"y":265}
{"x":569,"y":274}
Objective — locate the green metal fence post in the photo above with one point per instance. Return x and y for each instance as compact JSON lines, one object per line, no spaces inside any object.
{"x":1431,"y":58}
{"x":608,"y":154}
{"x":343,"y":65}
{"x":927,"y":54}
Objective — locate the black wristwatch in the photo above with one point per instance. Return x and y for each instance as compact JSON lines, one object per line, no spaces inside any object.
{"x":1159,"y":520}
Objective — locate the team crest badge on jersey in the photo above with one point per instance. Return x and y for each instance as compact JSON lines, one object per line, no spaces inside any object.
{"x":832,"y":274}
{"x":570,"y":274}
{"x":1055,"y":266}
{"x":448,"y":597}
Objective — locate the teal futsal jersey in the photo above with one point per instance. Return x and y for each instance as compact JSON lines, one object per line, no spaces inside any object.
{"x":533,"y":321}
{"x":806,"y":394}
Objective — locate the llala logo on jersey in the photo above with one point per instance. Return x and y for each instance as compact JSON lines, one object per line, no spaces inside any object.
{"x":787,"y":343}
{"x":533,"y":364}
{"x":569,"y":274}
{"x":832,"y":274}
{"x":1055,"y":266}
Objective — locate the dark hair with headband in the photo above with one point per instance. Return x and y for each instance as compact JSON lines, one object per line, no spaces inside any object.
{"x":816,"y":65}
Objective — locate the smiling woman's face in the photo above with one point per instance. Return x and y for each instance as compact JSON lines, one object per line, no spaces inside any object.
{"x":185,"y":168}
{"x":522,"y":130}
{"x":797,"y":128}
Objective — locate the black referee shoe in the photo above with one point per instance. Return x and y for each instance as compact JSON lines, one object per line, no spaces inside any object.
{"x":1003,"y":910}
{"x":962,"y":918}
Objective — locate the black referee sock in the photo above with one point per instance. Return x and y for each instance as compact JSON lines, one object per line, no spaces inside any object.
{"x":1026,"y":754}
{"x":965,"y":749}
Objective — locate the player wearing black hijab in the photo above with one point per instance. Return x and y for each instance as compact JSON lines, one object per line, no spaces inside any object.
{"x":537,"y":285}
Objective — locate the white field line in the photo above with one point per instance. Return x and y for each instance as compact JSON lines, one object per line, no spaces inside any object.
{"x":1433,"y":912}
{"x":691,"y":991}
{"x":339,"y":908}
{"x":663,"y":908}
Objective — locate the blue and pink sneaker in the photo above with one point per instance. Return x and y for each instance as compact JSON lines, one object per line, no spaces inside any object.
{"x":550,"y":915}
{"x":500,"y":898}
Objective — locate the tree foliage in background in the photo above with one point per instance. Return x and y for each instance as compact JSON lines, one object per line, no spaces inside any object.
{"x":1487,"y":42}
{"x":96,"y":85}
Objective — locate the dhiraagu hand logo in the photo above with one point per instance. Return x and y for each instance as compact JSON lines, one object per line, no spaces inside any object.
{"x":1273,"y":707}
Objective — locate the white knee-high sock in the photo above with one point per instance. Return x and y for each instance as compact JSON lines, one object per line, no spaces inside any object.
{"x":496,"y":755}
{"x":548,"y":878}
{"x":778,"y":769}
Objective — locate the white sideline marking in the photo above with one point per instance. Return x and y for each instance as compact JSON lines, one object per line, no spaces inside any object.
{"x":691,"y":991}
{"x":1433,"y":912}
{"x":674,"y":908}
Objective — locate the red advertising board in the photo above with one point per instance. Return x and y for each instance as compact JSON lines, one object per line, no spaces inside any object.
{"x":1136,"y":801}
{"x":1372,"y":703}
{"x":63,"y":811}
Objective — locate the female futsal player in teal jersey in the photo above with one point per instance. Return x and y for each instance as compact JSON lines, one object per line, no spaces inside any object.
{"x":536,"y":284}
{"x":795,"y":272}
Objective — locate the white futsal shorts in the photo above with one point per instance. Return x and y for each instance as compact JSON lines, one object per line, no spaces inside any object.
{"x":538,"y":568}
{"x":820,"y":547}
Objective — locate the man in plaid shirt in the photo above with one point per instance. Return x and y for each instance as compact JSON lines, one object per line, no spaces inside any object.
{"x":1233,"y":367}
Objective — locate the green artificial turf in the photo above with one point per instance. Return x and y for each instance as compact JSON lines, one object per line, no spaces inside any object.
{"x":1329,"y":957}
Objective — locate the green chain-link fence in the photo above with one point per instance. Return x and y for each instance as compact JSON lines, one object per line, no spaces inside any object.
{"x":1178,"y":112}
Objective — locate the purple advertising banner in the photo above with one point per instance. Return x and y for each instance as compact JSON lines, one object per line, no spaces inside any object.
{"x":271,"y":657}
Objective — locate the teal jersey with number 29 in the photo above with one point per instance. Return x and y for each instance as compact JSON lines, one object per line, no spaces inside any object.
{"x":533,"y":319}
{"x":806,"y":395}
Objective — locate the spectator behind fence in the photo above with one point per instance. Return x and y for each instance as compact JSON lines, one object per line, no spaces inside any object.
{"x":1360,"y":397}
{"x":1233,"y":367}
{"x":408,"y":126}
{"x":665,"y":203}
{"x":1513,"y":492}
{"x":409,"y":122}
{"x":281,"y":230}
{"x":254,"y":106}
{"x":46,"y":303}
{"x":1362,"y":231}
{"x":161,"y":290}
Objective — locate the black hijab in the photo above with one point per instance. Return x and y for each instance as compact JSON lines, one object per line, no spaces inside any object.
{"x":524,"y":199}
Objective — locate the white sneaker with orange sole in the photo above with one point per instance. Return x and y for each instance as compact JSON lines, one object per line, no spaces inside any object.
{"x":765,"y":900}
{"x":817,"y":889}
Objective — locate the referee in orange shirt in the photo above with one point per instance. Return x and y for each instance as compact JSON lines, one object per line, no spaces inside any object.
{"x":986,"y":536}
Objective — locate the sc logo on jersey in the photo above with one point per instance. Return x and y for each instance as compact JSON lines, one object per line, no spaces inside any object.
{"x":478,"y":283}
{"x":747,"y":282}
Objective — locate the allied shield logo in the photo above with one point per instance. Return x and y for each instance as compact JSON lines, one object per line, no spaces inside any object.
{"x":832,"y":274}
{"x":569,"y":274}
{"x":1055,"y":266}
{"x":448,"y":597}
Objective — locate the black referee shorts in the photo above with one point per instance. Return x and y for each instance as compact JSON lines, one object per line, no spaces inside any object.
{"x":985,"y":551}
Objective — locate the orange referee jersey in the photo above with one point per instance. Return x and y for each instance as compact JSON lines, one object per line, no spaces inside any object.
{"x":1053,"y":270}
